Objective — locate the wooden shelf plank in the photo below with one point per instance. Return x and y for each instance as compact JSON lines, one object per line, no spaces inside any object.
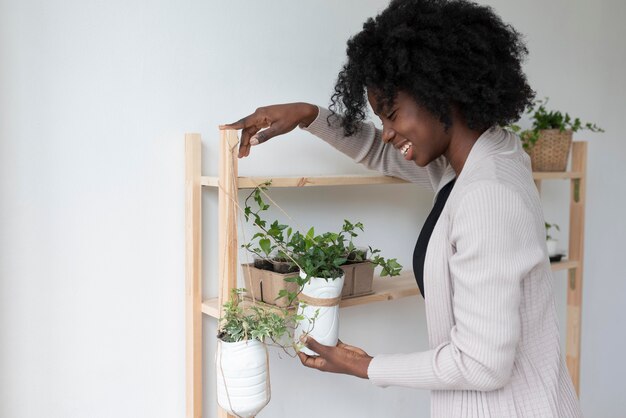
{"x":556,"y":175}
{"x":385,"y":288}
{"x":353,"y":180}
{"x":564,"y":265}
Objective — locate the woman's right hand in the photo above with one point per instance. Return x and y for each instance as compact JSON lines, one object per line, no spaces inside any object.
{"x":278,"y":119}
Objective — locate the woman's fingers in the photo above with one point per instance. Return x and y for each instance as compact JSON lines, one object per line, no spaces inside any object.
{"x":351,"y":348}
{"x":273,"y":130}
{"x":270,"y":121}
{"x":313,"y":362}
{"x":244,"y":142}
{"x":342,"y":358}
{"x":249,"y":126}
{"x":315,"y":346}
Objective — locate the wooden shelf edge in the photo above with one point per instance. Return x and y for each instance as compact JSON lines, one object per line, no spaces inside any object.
{"x":308,"y":181}
{"x":385,"y":288}
{"x":208,"y":181}
{"x":556,"y":175}
{"x":354,"y":180}
{"x":564,"y":265}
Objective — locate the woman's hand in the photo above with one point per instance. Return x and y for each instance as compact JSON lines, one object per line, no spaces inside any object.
{"x":343,"y":358}
{"x":278,"y":119}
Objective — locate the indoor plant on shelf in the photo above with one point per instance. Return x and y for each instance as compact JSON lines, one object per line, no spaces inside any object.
{"x":552,"y":243}
{"x":358,"y":269}
{"x":265,"y":278}
{"x":549,"y":140}
{"x":241,"y":361}
{"x":319,"y":259}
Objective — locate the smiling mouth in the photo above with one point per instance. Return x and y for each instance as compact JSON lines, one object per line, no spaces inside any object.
{"x":405,"y":149}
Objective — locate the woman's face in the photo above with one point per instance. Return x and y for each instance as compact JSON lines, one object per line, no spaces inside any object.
{"x":412,"y":129}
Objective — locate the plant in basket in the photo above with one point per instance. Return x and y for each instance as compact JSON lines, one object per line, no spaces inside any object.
{"x":319,"y":259}
{"x":549,"y":140}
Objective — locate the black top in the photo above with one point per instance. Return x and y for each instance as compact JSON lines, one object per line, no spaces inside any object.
{"x":422,"y":241}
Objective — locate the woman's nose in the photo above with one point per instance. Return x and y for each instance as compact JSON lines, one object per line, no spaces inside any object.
{"x":388,"y":135}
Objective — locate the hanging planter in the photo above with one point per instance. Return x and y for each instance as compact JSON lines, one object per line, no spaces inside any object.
{"x":241,"y":359}
{"x":322,"y":261}
{"x":319,"y":309}
{"x":243,"y":384}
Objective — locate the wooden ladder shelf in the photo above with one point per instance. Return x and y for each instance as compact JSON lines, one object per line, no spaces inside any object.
{"x":384,"y":290}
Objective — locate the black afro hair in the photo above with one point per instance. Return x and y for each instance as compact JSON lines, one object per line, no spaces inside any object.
{"x":442,"y":53}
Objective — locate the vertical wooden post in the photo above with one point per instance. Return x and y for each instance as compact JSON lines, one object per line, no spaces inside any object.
{"x":576,"y":247}
{"x":227,"y":241}
{"x":193,"y":275}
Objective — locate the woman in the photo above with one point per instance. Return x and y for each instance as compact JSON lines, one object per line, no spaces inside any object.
{"x":443,"y":76}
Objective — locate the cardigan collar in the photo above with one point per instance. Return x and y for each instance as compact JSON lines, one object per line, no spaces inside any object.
{"x":494,"y":140}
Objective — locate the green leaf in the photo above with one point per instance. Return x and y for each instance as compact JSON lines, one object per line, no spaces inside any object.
{"x":265,"y":245}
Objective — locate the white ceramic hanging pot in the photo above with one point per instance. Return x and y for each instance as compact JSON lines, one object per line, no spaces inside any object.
{"x":243,"y":387}
{"x":325,"y":328}
{"x":552,"y":244}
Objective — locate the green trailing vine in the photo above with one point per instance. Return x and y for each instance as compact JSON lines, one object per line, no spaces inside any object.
{"x":317,"y":255}
{"x":255,"y":323}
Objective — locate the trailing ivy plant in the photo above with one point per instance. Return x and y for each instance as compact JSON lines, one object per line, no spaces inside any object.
{"x":316,"y":255}
{"x":255,"y":323}
{"x":272,"y":326}
{"x":548,"y":119}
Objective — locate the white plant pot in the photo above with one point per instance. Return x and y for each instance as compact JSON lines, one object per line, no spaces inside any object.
{"x":552,"y":244}
{"x":242,"y":379}
{"x":325,"y":329}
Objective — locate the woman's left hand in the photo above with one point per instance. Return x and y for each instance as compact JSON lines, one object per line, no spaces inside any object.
{"x":342,"y":358}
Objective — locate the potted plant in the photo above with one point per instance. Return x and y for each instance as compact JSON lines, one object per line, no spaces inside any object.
{"x":243,"y":386}
{"x":359,"y":274}
{"x":549,"y":140}
{"x":319,"y":259}
{"x":552,"y":243}
{"x":265,"y":277}
{"x":358,"y":269}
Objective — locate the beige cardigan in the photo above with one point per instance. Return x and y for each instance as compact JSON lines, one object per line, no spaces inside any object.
{"x":490,"y":310}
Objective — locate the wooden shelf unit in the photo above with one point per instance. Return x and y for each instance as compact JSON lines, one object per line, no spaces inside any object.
{"x":384,"y":289}
{"x":228,"y":183}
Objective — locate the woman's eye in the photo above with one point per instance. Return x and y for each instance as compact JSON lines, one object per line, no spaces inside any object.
{"x":392,"y":115}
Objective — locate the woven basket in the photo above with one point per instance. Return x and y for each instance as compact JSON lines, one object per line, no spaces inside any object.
{"x":551,"y":151}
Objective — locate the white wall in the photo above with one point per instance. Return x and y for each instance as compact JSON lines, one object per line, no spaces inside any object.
{"x":94,"y":100}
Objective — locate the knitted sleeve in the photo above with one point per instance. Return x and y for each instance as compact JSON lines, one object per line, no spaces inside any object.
{"x":497,"y":245}
{"x":367,"y":148}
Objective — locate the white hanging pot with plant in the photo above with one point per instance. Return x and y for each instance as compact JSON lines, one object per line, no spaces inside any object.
{"x":318,"y":310}
{"x":241,"y":360}
{"x":552,"y":246}
{"x":243,"y":385}
{"x":320,"y":259}
{"x":551,"y":242}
